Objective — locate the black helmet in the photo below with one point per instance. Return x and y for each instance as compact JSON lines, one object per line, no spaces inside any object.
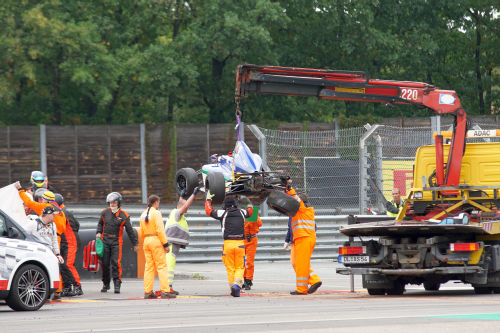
{"x":114,"y":196}
{"x":59,"y":199}
{"x":229,"y":202}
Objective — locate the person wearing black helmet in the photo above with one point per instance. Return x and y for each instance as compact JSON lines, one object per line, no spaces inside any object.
{"x":69,"y":246}
{"x":232,"y":221}
{"x":110,"y":230}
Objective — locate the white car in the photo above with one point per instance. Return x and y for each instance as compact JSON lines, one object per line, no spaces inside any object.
{"x":29,"y":271}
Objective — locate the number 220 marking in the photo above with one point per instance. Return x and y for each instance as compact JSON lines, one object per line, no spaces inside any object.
{"x":409,"y":94}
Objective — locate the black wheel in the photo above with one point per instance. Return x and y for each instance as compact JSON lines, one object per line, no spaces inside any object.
{"x":283,"y":203}
{"x":376,"y":291}
{"x":30,"y":289}
{"x":216,"y":184}
{"x":482,"y":290}
{"x":397,"y":289}
{"x":186,"y":179}
{"x":496,"y":290}
{"x":431,"y":285}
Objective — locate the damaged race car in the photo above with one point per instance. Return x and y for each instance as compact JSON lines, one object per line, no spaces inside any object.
{"x":239,"y":173}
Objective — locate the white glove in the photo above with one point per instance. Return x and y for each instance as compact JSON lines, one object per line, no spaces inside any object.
{"x":60,"y":258}
{"x":286,"y":246}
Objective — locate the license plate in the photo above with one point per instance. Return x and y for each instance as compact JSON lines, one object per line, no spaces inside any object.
{"x":354,"y":259}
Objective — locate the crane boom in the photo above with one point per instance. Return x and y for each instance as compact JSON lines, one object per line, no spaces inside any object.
{"x":358,"y":86}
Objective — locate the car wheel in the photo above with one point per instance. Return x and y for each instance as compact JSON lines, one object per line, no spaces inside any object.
{"x":216,"y":184}
{"x":186,"y":179}
{"x":283,"y":203}
{"x":29,"y":290}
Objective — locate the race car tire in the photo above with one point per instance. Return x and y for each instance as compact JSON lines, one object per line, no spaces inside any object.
{"x":216,"y":185}
{"x":185,"y":179}
{"x":283,"y":203}
{"x":30,"y":289}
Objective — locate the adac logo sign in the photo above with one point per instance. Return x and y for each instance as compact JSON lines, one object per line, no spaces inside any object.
{"x":446,"y":99}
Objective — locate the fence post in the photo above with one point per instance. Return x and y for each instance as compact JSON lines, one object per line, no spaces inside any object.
{"x":263,"y":154}
{"x":435,"y":125}
{"x":9,"y":160}
{"x":144,"y":179}
{"x":43,"y":149}
{"x":241,"y":130}
{"x":380,"y":173}
{"x":363,"y":168}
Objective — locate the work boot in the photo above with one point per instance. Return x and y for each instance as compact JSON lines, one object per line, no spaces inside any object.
{"x":150,"y":295}
{"x":56,"y":296}
{"x":117,"y":284}
{"x":314,"y":287}
{"x":78,"y":290}
{"x":105,"y":288}
{"x":295,"y":292}
{"x":172,"y":291}
{"x":167,"y":295}
{"x":68,"y":291}
{"x":235,"y":290}
{"x":247,"y":285}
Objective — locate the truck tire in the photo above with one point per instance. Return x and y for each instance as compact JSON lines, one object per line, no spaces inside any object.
{"x":431,"y":285}
{"x":376,"y":291}
{"x":215,"y":183}
{"x":283,"y":203}
{"x":482,"y":290}
{"x":30,"y":289}
{"x":186,"y":179}
{"x":397,"y":289}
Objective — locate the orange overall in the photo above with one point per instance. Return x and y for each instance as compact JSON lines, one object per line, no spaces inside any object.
{"x":154,"y":239}
{"x":251,"y":231}
{"x":304,"y":238}
{"x":233,"y":257}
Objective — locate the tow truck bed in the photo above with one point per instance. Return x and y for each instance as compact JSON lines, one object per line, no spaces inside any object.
{"x":391,"y":228}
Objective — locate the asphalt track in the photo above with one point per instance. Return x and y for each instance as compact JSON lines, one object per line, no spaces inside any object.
{"x":204,"y":305}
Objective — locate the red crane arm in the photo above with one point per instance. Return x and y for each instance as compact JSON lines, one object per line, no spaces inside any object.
{"x":357,"y":86}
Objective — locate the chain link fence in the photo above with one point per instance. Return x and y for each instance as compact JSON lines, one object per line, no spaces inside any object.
{"x":351,"y":171}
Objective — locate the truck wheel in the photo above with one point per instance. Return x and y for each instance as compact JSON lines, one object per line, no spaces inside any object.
{"x":397,"y":289}
{"x":431,"y":286}
{"x":29,"y":290}
{"x":375,"y":291}
{"x":186,"y":179}
{"x":216,"y":185}
{"x":283,"y":203}
{"x":496,"y":290}
{"x":482,"y":290}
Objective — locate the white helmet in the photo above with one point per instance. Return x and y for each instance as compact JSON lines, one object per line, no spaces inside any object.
{"x":114,"y":196}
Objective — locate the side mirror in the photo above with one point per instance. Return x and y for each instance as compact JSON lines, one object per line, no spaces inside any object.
{"x":13,"y":233}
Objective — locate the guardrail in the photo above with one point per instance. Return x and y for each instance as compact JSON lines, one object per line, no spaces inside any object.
{"x":206,"y":240}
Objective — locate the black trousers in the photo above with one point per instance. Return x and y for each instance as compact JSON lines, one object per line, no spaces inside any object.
{"x":111,"y":260}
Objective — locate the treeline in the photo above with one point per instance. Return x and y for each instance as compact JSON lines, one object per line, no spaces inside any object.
{"x":154,"y":61}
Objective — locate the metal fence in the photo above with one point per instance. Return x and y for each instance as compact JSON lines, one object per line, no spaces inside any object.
{"x":350,"y":171}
